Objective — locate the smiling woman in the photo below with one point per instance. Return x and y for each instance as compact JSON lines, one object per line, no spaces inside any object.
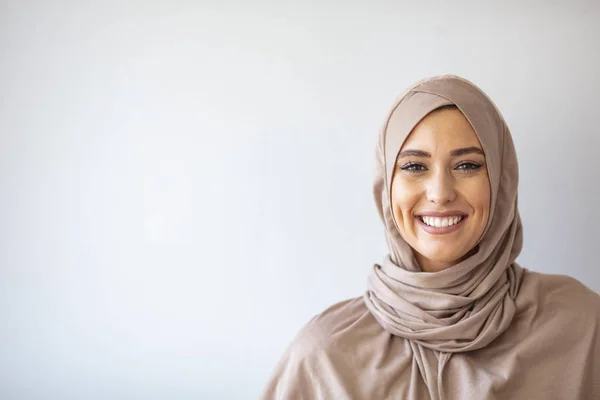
{"x":441,"y":189}
{"x":449,"y":314}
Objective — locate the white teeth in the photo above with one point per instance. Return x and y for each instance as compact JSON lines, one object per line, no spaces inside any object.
{"x":441,"y":222}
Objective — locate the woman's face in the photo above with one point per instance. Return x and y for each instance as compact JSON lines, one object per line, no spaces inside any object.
{"x":440,"y":189}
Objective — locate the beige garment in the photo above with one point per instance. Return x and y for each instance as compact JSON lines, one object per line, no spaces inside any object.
{"x":551,"y":351}
{"x":435,"y":330}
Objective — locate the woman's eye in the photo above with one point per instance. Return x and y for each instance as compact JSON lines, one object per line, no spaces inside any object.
{"x":468,"y":166}
{"x":413,"y":167}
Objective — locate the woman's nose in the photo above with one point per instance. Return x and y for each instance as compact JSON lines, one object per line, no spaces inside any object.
{"x":440,"y":188}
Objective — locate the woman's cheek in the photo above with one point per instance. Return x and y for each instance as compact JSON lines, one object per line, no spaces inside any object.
{"x":398,"y":205}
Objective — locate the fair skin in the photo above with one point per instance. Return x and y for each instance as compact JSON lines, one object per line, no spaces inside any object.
{"x":440,"y":190}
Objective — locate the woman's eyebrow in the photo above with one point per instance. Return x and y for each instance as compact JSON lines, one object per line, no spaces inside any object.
{"x":466,"y":150}
{"x":414,"y":153}
{"x":453,"y":153}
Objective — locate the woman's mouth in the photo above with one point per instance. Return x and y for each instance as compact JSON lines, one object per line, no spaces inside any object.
{"x":440,"y":225}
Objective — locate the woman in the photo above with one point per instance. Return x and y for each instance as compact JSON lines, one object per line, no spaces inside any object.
{"x":449,"y":314}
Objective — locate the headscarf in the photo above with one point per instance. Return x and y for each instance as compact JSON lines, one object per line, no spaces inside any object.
{"x":464,"y":307}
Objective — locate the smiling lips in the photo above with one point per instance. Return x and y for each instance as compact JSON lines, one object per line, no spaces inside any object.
{"x":440,"y":223}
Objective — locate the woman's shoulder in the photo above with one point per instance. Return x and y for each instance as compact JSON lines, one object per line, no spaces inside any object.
{"x":555,"y":293}
{"x":299,"y":373}
{"x":338,"y":325}
{"x":559,"y":286}
{"x":335,"y":320}
{"x":328,"y":355}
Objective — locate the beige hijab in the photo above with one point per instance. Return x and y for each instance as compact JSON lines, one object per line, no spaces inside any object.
{"x":467,"y":306}
{"x":484,"y":328}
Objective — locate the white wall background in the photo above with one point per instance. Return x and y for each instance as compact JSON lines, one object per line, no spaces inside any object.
{"x":184,"y":184}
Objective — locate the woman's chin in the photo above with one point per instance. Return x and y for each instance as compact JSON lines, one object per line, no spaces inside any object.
{"x":438,"y":260}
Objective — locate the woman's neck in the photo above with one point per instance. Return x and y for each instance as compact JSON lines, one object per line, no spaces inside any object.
{"x":428,"y":265}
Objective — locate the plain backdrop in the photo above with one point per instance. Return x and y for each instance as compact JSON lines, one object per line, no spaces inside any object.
{"x":184,"y":184}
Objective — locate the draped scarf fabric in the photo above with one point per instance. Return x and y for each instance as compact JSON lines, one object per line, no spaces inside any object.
{"x":468,"y":305}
